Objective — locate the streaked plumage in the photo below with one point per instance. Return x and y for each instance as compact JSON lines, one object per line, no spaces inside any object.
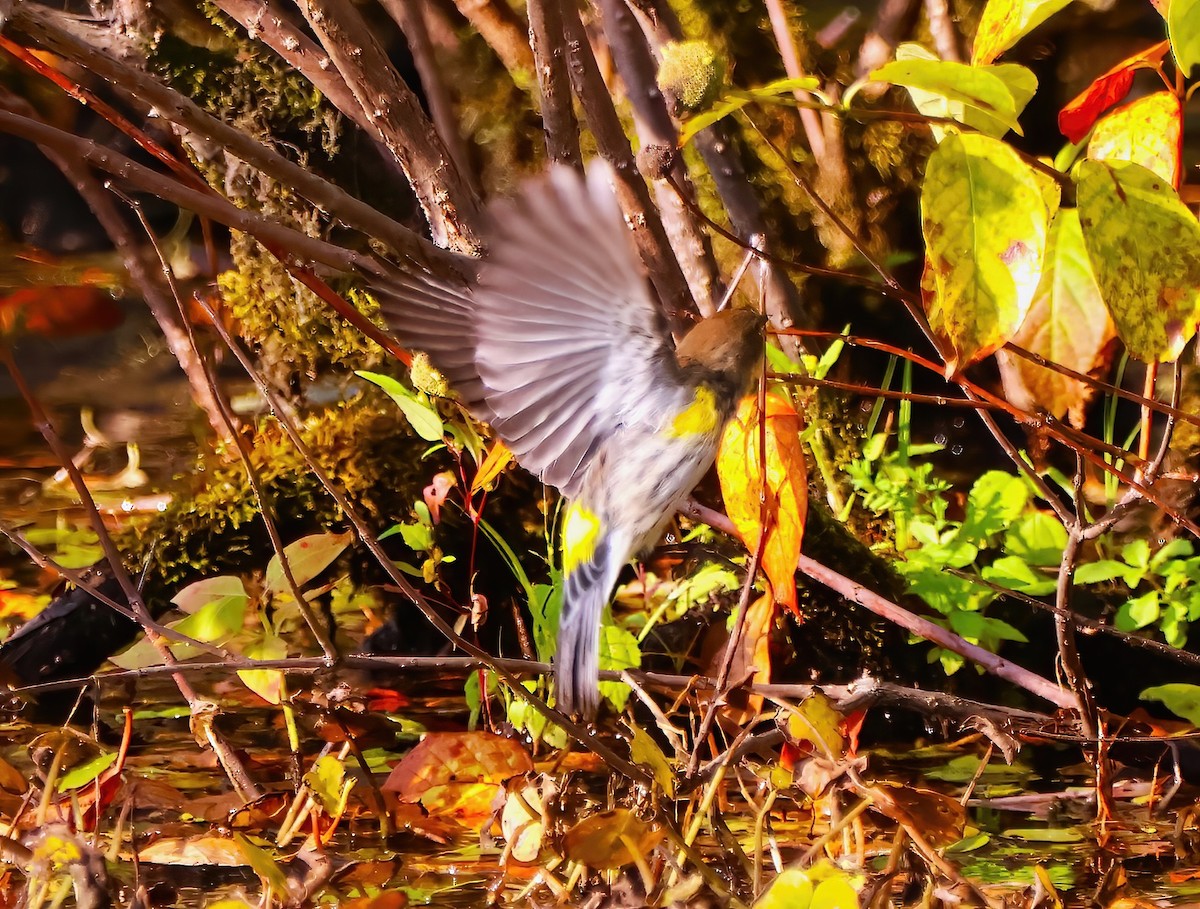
{"x":560,"y":347}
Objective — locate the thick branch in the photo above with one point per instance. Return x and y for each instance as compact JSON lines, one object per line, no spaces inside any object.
{"x":450,"y":205}
{"x":50,"y":30}
{"x":640,"y":214}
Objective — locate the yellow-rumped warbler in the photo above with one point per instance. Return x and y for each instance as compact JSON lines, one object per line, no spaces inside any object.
{"x":559,"y":345}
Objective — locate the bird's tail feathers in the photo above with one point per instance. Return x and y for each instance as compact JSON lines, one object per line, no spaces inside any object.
{"x":586,"y":590}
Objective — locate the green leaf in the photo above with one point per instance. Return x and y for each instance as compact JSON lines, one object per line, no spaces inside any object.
{"x":618,"y":650}
{"x":973,"y":87}
{"x":1183,"y":28}
{"x":1144,"y":245}
{"x":1019,"y":81}
{"x":264,"y":865}
{"x":1100,"y":571}
{"x":201,"y":593}
{"x":327,"y":782}
{"x":1138,"y":612}
{"x":266,"y":683}
{"x":985,"y":225}
{"x":420,"y":414}
{"x":1182,"y":700}
{"x":307,"y":557}
{"x":1038,"y":538}
{"x":86,"y":772}
{"x":735,"y":99}
{"x":218,"y":621}
{"x":1015,"y":573}
{"x":1005,"y":22}
{"x":1136,"y":554}
{"x":996,"y":500}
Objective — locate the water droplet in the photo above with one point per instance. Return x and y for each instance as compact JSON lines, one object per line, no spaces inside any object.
{"x":960,"y":422}
{"x":956,"y":450}
{"x":940,"y":438}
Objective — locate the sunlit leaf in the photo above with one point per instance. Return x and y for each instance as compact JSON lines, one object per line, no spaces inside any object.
{"x":201,"y":593}
{"x":86,"y":773}
{"x":792,"y":889}
{"x":603,"y":839}
{"x":619,"y":650}
{"x":196,"y":851}
{"x":1067,"y":323}
{"x":498,"y":457}
{"x":1181,"y":699}
{"x":421,"y":415}
{"x":1005,"y":22}
{"x":1077,"y":117}
{"x":458,"y":774}
{"x":1144,"y":246}
{"x":523,"y":819}
{"x":328,"y":783}
{"x":1183,"y":28}
{"x":816,"y":724}
{"x":739,"y":466}
{"x":645,"y":753}
{"x":973,"y":87}
{"x":266,"y":683}
{"x":307,"y":558}
{"x":1147,"y":131}
{"x":985,"y":225}
{"x":1020,"y":82}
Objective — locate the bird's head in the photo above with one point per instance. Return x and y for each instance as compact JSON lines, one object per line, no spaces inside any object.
{"x":729,"y":344}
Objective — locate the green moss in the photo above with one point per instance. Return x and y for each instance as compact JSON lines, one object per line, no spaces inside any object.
{"x":691,"y":72}
{"x":212,"y":523}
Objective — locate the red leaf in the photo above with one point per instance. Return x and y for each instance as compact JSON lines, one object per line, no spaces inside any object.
{"x":1078,"y":116}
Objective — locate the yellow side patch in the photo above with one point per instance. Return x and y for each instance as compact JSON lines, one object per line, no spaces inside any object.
{"x":581,"y":530}
{"x":699,"y":417}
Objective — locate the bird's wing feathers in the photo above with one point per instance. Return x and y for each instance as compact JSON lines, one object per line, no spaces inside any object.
{"x":566,"y":340}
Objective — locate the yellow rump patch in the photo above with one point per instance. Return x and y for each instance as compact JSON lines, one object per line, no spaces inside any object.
{"x":699,"y":417}
{"x":581,"y":530}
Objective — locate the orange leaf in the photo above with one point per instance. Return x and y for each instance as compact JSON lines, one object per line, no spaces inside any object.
{"x":458,"y":774}
{"x":497,"y":459}
{"x":740,"y":468}
{"x":1077,"y":117}
{"x":58,"y":311}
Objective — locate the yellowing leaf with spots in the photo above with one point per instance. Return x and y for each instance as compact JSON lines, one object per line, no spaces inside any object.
{"x":1144,"y":245}
{"x":1067,"y":324}
{"x":985,"y":220}
{"x":1146,"y":131}
{"x":1005,"y":22}
{"x":784,"y":484}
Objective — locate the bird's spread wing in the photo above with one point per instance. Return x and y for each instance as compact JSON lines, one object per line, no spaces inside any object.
{"x":560,"y":342}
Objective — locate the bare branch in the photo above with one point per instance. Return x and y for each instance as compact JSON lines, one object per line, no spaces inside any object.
{"x":450,"y":205}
